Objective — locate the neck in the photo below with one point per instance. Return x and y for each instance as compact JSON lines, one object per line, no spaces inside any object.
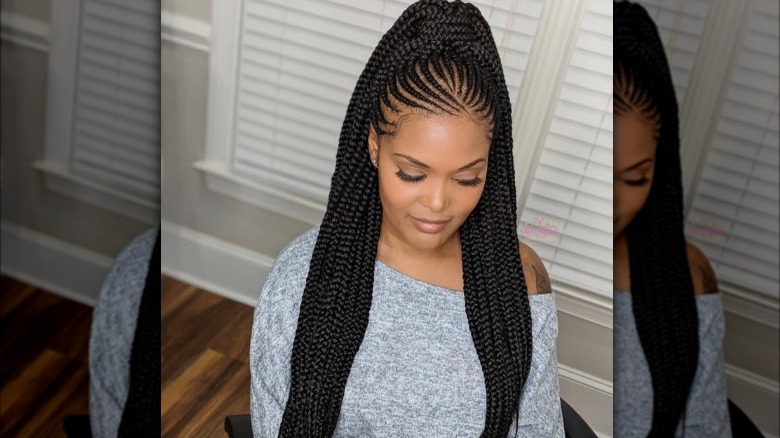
{"x":621,"y":276}
{"x":620,"y":248}
{"x":392,"y":247}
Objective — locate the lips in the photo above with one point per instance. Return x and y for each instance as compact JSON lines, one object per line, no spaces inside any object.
{"x":429,"y":226}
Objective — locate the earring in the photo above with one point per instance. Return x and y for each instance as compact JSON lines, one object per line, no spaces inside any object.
{"x":374,"y":161}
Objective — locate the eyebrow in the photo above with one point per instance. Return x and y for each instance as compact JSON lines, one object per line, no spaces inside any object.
{"x":425,"y":166}
{"x":635,"y":165}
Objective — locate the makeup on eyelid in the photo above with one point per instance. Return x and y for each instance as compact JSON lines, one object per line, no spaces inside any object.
{"x":431,"y":175}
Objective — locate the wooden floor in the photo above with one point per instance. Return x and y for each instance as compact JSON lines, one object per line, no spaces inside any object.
{"x":205,"y":355}
{"x":44,"y":367}
{"x":43,"y":360}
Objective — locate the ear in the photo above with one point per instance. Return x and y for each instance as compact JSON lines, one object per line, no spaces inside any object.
{"x":373,"y":143}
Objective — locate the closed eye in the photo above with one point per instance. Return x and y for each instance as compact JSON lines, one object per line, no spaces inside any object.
{"x":470,"y":182}
{"x":405,"y":177}
{"x":636,"y":182}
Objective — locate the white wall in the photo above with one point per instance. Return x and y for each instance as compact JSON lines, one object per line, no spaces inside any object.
{"x":46,"y":237}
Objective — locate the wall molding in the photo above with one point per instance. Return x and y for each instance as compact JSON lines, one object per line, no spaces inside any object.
{"x":749,"y":304}
{"x":57,"y":266}
{"x":753,"y":380}
{"x":60,"y":180}
{"x":583,"y":303}
{"x":220,"y":179}
{"x":185,"y":31}
{"x":756,"y":395}
{"x":27,"y":32}
{"x":541,"y":87}
{"x":713,"y":68}
{"x":212,"y":264}
{"x":589,"y":395}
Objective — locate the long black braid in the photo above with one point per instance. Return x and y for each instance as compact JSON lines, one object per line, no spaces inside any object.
{"x":664,"y":305}
{"x":439,"y":58}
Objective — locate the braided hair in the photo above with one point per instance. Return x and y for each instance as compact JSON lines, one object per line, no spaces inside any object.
{"x":663,"y":301}
{"x":437,"y":58}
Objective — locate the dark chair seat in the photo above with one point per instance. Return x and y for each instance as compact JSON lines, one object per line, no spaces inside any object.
{"x":573,"y":425}
{"x":240,"y":426}
{"x":77,"y":426}
{"x":741,"y":425}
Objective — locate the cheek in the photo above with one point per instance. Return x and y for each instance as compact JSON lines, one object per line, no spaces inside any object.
{"x":629,"y":200}
{"x":395,"y":194}
{"x":467,"y":200}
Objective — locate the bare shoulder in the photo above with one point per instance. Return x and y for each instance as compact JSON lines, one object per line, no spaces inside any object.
{"x":536,"y":277}
{"x":704,"y":279}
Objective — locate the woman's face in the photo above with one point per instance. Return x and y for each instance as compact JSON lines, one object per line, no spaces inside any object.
{"x":431,"y":176}
{"x":634,"y":155}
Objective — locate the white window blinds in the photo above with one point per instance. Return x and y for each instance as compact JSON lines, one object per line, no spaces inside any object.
{"x":568,"y":214}
{"x":116,"y":125}
{"x":734,"y":216}
{"x":680,"y":24}
{"x":298,"y":64}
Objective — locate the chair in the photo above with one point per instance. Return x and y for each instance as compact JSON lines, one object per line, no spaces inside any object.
{"x":573,"y":425}
{"x":77,"y":426}
{"x":741,"y":425}
{"x":240,"y":426}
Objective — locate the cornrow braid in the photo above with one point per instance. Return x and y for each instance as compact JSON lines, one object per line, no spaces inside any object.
{"x":438,"y":58}
{"x":663,"y":301}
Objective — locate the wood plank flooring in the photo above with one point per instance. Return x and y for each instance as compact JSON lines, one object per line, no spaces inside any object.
{"x":43,"y":360}
{"x":44,"y":366}
{"x":205,"y":355}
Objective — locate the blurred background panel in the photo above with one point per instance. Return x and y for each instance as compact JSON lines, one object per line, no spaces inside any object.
{"x":79,"y":179}
{"x":725,"y":58}
{"x":80,"y":139}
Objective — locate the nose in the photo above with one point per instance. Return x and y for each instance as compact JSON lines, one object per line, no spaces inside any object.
{"x":437,"y":198}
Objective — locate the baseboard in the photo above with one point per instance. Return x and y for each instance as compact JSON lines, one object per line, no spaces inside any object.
{"x":757,"y":396}
{"x":590,"y":396}
{"x":583,"y":303}
{"x":52,"y":264}
{"x":212,"y":264}
{"x":752,"y":305}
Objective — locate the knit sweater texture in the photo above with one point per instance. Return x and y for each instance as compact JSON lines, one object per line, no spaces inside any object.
{"x":416,"y":373}
{"x":706,"y":412}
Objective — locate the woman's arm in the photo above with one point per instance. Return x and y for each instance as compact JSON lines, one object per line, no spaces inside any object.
{"x":540,"y":403}
{"x":707,"y":410}
{"x":273,"y":332}
{"x":702,"y":274}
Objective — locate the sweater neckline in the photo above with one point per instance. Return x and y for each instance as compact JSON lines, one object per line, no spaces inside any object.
{"x":411,"y":279}
{"x":449,"y":292}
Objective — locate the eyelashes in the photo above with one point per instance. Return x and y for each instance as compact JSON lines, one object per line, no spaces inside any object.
{"x":417,"y":178}
{"x":636,"y":182}
{"x":409,"y":178}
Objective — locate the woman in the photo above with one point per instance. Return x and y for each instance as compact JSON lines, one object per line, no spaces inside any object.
{"x":666,"y":297}
{"x":408,"y":311}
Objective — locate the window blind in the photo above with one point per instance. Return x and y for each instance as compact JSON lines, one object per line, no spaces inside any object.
{"x":680,"y":24}
{"x":116,"y":125}
{"x":568,"y":214}
{"x":298,"y":64}
{"x":734,"y":216}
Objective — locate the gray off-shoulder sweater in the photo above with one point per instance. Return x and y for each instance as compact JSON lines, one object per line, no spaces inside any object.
{"x":416,"y":373}
{"x":706,"y":413}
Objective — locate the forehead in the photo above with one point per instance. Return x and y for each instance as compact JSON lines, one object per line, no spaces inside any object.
{"x":441,"y":136}
{"x":635,"y":138}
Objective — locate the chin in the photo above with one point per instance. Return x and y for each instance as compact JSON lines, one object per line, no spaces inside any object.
{"x":427,"y":241}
